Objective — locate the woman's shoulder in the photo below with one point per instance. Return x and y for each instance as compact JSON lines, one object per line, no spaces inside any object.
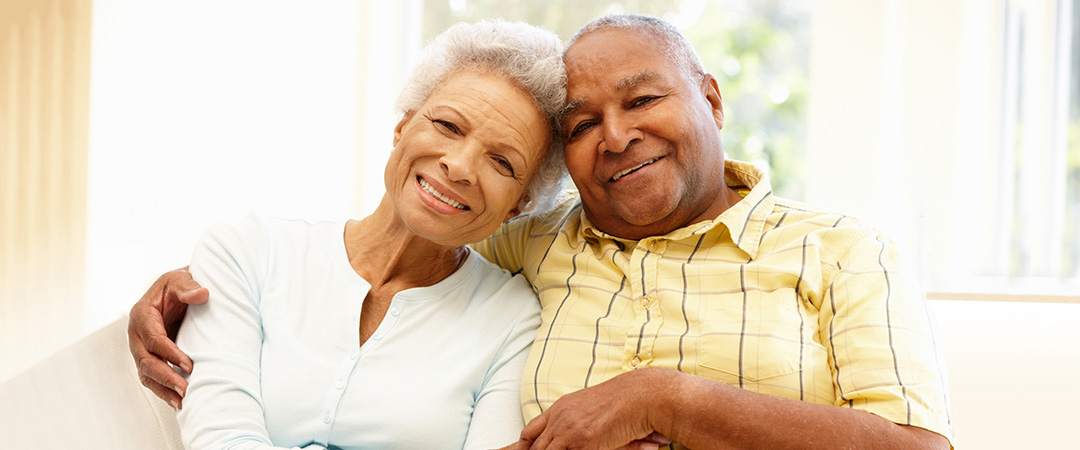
{"x":497,"y":286}
{"x":256,"y":229}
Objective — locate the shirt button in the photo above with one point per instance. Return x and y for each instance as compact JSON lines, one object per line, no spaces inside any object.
{"x":340,"y":384}
{"x":326,"y":418}
{"x":395,"y":311}
{"x":354,"y":355}
{"x":634,"y":362}
{"x":646,"y":302}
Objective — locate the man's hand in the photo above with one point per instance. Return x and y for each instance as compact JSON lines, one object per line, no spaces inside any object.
{"x":699,"y":413}
{"x":152,"y":326}
{"x":615,"y":414}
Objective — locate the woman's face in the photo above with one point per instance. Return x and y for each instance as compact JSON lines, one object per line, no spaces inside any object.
{"x":461,"y":162}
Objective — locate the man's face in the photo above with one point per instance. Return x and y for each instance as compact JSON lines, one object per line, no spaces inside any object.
{"x":643,"y":136}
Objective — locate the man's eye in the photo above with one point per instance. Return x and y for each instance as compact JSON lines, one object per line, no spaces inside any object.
{"x":581,"y":128}
{"x":642,"y":100}
{"x":447,"y":125}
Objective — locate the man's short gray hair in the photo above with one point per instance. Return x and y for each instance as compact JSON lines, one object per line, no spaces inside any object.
{"x":670,"y":39}
{"x":527,"y":56}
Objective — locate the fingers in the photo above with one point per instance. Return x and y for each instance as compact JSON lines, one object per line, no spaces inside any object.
{"x":155,"y":374}
{"x":542,"y":442}
{"x":641,"y":445}
{"x":146,"y":330}
{"x":534,"y":435}
{"x":148,"y":340}
{"x":162,"y":392}
{"x":657,"y":438}
{"x":159,"y":345}
{"x":534,"y":428}
{"x":180,"y":284}
{"x":193,"y":294}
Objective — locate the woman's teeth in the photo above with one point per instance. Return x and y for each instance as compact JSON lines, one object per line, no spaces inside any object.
{"x":624,"y":172}
{"x":427,"y":187}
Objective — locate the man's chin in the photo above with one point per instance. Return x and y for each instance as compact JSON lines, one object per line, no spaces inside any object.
{"x":634,"y":223}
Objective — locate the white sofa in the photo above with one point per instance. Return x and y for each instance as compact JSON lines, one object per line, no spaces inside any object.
{"x":87,"y":396}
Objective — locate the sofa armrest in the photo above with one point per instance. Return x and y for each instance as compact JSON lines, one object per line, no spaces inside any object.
{"x":86,"y":396}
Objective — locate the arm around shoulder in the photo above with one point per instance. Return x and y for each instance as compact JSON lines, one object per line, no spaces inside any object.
{"x":224,"y":339}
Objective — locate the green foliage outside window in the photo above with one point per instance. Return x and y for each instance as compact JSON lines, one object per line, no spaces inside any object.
{"x":756,"y":49}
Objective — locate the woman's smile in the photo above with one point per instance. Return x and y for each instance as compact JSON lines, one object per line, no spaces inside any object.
{"x":437,"y":199}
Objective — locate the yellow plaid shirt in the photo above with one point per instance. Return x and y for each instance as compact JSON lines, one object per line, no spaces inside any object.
{"x":772,"y":297}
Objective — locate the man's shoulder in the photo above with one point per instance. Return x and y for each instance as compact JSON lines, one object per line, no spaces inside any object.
{"x":795,"y":210}
{"x":835,"y":231}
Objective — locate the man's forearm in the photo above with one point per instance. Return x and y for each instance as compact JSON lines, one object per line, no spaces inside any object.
{"x":706,"y":414}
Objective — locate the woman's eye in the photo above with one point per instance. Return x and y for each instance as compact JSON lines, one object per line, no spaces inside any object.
{"x":447,"y":125}
{"x":505,"y":165}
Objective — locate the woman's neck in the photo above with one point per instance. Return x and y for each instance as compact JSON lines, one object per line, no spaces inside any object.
{"x":383,"y":251}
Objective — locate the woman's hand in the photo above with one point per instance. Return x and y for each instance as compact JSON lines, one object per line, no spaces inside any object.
{"x":152,"y":326}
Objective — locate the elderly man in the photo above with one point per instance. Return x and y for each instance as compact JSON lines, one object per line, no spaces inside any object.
{"x":681,"y":299}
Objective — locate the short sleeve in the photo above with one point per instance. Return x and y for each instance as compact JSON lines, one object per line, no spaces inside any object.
{"x":878,"y":332}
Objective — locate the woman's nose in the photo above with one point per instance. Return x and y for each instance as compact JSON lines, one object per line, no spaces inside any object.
{"x":460,"y":163}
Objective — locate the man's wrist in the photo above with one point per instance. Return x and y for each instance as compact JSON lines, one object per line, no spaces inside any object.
{"x":666,"y":397}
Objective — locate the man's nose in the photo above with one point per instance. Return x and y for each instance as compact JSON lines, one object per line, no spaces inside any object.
{"x":619,"y":133}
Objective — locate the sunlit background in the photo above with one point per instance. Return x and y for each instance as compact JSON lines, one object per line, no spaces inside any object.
{"x":128,"y":126}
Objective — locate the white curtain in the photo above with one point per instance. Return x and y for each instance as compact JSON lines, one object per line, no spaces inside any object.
{"x":44,"y":77}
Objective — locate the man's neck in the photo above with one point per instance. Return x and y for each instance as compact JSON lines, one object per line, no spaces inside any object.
{"x":727,"y":198}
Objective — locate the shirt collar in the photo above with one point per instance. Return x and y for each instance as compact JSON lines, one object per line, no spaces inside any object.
{"x":745,"y":219}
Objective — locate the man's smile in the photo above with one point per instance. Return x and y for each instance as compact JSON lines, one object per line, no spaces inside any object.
{"x":629,"y":170}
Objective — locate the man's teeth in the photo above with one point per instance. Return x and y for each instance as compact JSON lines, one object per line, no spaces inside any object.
{"x":624,"y":172}
{"x":449,"y":201}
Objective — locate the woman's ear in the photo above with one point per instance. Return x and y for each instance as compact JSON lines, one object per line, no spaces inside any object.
{"x":517,"y":209}
{"x":401,"y":125}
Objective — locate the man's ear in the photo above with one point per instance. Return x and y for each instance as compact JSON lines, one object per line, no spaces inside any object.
{"x":401,"y":125}
{"x":712,"y":95}
{"x":517,"y":209}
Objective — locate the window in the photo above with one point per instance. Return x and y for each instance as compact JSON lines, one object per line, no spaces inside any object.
{"x":1037,"y":245}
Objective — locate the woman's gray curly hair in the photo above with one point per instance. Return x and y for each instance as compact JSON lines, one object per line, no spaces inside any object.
{"x":529,"y":57}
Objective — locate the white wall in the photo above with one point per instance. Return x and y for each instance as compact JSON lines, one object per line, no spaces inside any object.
{"x":203,"y":110}
{"x":1013,"y":368}
{"x":889,"y":91}
{"x":199,"y":111}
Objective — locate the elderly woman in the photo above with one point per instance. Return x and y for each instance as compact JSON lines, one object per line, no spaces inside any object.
{"x":387,"y":332}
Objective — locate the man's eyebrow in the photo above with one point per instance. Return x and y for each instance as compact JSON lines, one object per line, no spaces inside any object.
{"x":634,"y":80}
{"x":573,"y":106}
{"x":624,"y":84}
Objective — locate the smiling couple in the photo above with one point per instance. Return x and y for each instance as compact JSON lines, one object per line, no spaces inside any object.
{"x":680,"y":303}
